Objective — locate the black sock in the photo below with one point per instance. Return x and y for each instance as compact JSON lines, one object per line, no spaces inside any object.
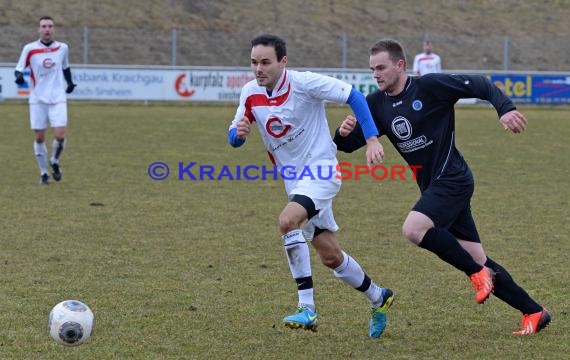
{"x":304,"y":283}
{"x":440,"y":242}
{"x":365,"y":284}
{"x":507,"y":290}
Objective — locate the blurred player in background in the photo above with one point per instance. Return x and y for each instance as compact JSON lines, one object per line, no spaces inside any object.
{"x":51,"y":79}
{"x":417,"y":115}
{"x":289,"y":110}
{"x":427,"y":62}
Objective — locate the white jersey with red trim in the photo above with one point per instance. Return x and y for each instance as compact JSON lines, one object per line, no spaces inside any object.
{"x":292,"y":120}
{"x":427,"y":63}
{"x":46,"y":66}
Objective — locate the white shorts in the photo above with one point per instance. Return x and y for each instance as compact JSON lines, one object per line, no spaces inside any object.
{"x":41,"y":113}
{"x":322,"y":192}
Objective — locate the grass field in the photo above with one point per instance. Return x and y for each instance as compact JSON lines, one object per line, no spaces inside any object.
{"x":194,"y":269}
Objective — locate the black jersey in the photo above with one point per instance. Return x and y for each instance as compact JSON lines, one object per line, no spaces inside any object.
{"x":420,"y":123}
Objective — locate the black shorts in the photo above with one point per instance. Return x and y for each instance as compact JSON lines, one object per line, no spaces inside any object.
{"x":448,"y":205}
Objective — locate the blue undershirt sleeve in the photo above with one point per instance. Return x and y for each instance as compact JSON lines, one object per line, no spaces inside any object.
{"x":233,"y":138}
{"x":358,"y":104}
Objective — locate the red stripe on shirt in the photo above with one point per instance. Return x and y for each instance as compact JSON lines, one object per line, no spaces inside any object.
{"x":39,"y":51}
{"x":283,"y":82}
{"x":262,"y":99}
{"x":34,"y":52}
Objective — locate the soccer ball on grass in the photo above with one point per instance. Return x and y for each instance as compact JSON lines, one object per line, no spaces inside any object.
{"x":71,"y":322}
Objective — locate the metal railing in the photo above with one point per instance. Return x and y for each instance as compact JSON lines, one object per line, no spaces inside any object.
{"x":184,"y":47}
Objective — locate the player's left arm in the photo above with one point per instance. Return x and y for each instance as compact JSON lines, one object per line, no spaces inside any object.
{"x":509,"y":117}
{"x":513,"y":121}
{"x":456,"y":87}
{"x":322,"y":87}
{"x":67,"y":72}
{"x":374,"y":150}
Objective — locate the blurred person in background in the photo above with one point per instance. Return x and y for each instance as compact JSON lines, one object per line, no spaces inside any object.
{"x":51,"y":80}
{"x":427,"y":62}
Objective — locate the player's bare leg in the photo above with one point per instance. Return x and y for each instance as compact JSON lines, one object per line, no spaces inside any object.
{"x":291,"y":219}
{"x":348,"y":270}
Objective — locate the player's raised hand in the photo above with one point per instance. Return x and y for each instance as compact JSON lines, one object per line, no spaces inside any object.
{"x":374,"y":152}
{"x":347,"y":126}
{"x":514,"y":121}
{"x":243,"y":128}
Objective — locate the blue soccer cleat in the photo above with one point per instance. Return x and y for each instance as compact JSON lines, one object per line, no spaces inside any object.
{"x":304,"y":318}
{"x":378,"y":318}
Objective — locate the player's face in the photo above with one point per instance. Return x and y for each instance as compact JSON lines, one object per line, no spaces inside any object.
{"x":46,"y":30}
{"x":388,"y":75}
{"x":427,"y":47}
{"x":266,"y":68}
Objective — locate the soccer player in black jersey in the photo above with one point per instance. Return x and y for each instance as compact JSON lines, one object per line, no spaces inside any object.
{"x":417,"y":115}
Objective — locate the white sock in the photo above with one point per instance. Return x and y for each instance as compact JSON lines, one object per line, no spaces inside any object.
{"x":306,"y":298}
{"x":299,"y":259}
{"x":351,"y":273}
{"x":40,"y":150}
{"x":374,"y":295}
{"x":57,"y":148}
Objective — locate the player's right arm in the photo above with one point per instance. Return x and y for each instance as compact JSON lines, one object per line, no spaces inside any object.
{"x":21,"y":66}
{"x":240,"y":127}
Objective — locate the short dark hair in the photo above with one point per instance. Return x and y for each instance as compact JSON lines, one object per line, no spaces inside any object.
{"x":271,"y":40}
{"x":394,"y":49}
{"x":46,"y":18}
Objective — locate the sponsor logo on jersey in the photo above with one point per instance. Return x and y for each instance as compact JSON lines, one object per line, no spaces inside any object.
{"x":275,"y":128}
{"x":402,"y":128}
{"x":48,"y":63}
{"x":415,"y":144}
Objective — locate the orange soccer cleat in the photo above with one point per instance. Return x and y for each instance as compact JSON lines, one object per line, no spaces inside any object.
{"x":533,"y":323}
{"x":483,"y":283}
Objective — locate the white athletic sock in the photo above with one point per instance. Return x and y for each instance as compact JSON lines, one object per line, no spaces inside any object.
{"x":299,"y":259}
{"x":57,"y":149}
{"x":351,"y":273}
{"x":306,"y":298}
{"x":40,"y":150}
{"x":374,"y":295}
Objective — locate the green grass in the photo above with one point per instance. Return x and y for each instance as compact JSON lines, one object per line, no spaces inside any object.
{"x":194,"y":269}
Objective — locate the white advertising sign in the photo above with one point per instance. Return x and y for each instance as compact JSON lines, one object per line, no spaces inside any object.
{"x":164,"y":83}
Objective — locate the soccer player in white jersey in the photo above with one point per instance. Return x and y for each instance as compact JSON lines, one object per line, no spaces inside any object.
{"x":427,"y":62}
{"x":289,"y":109}
{"x":50,"y":75}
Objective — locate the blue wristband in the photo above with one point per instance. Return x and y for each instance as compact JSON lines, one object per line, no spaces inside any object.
{"x":233,"y":138}
{"x":358,"y":104}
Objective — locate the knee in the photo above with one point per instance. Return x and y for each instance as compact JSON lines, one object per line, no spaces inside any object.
{"x":40,"y":137}
{"x":413,"y":233}
{"x":332,"y":259}
{"x":286,"y":224}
